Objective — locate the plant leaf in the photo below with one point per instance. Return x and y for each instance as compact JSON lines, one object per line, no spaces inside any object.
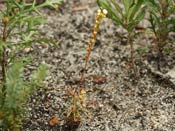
{"x":140,"y":15}
{"x":104,"y":4}
{"x":127,"y":4}
{"x":40,"y":74}
{"x":136,"y":8}
{"x":117,"y":7}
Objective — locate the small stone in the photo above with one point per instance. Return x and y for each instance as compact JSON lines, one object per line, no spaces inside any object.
{"x":29,"y":109}
{"x":171,"y":73}
{"x":27,"y":50}
{"x":34,"y":100}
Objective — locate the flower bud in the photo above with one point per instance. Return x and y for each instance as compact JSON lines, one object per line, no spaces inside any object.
{"x":86,"y":56}
{"x":88,"y":49}
{"x":15,"y":10}
{"x":105,"y":12}
{"x":56,"y":7}
{"x":5,"y":20}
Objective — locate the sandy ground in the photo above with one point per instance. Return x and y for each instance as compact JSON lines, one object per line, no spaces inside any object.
{"x":125,"y":101}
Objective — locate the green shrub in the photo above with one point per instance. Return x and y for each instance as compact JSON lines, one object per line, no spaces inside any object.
{"x":128,"y":17}
{"x":162,"y":22}
{"x":20,"y":21}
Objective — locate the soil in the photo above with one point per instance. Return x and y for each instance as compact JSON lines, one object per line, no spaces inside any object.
{"x":126,"y":101}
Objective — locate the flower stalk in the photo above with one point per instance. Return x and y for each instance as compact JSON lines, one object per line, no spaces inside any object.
{"x":100,"y":15}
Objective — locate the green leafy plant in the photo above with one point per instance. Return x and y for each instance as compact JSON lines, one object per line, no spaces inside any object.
{"x":128,"y":17}
{"x":17,"y":91}
{"x":162,"y":22}
{"x":20,"y":21}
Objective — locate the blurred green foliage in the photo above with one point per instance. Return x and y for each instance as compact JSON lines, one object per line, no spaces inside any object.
{"x":20,"y":22}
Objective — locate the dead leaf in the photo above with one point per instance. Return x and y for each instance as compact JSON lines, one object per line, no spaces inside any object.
{"x":54,"y":121}
{"x":97,"y":79}
{"x":80,"y":8}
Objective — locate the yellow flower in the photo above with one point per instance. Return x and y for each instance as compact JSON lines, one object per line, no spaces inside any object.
{"x":82,"y":92}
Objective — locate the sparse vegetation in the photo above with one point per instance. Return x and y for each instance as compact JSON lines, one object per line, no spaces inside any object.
{"x":133,"y":99}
